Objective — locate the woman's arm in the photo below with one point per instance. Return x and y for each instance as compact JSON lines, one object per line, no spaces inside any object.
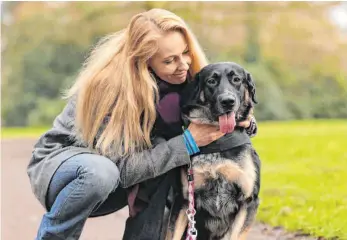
{"x":163,"y":157}
{"x":152,"y":162}
{"x":166,"y":155}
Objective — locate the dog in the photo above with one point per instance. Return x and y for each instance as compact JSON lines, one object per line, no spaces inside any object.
{"x":226,"y":178}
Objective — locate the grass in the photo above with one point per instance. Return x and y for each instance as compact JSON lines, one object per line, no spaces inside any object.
{"x":10,"y":133}
{"x":304,"y":171}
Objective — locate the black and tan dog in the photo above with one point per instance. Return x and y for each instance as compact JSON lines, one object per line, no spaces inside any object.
{"x":226,"y":172}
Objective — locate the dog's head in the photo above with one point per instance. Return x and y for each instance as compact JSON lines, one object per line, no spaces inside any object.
{"x":221,"y":94}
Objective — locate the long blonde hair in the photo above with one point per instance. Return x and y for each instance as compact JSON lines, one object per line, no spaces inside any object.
{"x":115,"y":81}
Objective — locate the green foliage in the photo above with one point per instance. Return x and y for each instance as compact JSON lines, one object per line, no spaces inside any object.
{"x":272,"y":105}
{"x":45,"y":111}
{"x":46,"y":71}
{"x":44,"y":48}
{"x":253,"y":49}
{"x":304,"y":165}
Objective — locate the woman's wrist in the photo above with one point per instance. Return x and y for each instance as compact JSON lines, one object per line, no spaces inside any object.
{"x":191,"y":145}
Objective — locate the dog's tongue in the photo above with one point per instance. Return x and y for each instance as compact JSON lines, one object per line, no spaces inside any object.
{"x":227,"y":122}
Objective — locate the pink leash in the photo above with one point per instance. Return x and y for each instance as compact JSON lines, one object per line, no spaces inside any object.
{"x":192,"y":233}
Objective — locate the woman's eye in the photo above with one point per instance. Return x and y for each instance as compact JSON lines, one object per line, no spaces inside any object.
{"x":167,"y":62}
{"x":186,"y":51}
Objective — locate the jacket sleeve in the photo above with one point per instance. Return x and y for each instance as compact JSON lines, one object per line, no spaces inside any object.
{"x":153,"y":162}
{"x":164,"y":156}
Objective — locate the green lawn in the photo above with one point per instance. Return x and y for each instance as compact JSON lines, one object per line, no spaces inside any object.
{"x":304,"y":174}
{"x":22,"y":132}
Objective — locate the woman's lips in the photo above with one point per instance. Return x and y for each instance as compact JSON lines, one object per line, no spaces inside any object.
{"x":183,"y":74}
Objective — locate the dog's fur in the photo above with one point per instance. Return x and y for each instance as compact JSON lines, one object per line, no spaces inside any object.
{"x":226,"y":183}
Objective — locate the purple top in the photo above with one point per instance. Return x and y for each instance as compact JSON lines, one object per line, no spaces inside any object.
{"x":168,"y":123}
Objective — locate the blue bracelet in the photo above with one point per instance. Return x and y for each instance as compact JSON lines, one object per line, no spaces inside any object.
{"x":190,"y":142}
{"x":190,"y":151}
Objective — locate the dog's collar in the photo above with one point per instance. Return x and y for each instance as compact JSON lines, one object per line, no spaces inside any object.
{"x":232,"y":140}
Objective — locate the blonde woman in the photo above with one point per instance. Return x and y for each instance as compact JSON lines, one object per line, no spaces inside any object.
{"x":104,"y":141}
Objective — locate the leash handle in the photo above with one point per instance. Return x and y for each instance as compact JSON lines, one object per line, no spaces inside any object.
{"x":192,"y":233}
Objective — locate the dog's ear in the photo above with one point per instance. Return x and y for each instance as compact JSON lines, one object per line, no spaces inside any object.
{"x":251,"y":87}
{"x":191,"y":92}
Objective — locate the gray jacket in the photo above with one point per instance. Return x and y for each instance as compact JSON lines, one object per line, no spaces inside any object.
{"x":59,"y":144}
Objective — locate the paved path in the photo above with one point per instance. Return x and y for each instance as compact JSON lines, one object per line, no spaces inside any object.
{"x":21,"y":212}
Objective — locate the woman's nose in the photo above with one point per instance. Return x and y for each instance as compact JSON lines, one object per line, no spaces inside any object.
{"x":184,"y":64}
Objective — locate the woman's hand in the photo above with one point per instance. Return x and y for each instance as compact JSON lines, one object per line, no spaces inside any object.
{"x":246,"y":123}
{"x":249,"y":124}
{"x":204,"y":134}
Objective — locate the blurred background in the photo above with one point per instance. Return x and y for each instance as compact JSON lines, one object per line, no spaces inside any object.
{"x":296,"y":51}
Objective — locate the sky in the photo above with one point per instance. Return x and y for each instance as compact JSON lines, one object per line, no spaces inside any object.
{"x":339,"y":15}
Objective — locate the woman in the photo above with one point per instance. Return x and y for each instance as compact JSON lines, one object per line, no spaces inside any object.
{"x":104,"y":138}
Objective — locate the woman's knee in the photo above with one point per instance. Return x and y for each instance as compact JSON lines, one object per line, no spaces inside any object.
{"x":99,"y":174}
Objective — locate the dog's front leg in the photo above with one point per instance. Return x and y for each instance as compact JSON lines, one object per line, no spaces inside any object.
{"x":180,"y":225}
{"x":243,"y":220}
{"x":238,"y":224}
{"x":244,"y":234}
{"x":252,"y":208}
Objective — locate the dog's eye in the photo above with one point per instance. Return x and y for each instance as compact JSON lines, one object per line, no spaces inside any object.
{"x":211,"y":81}
{"x":236,"y":80}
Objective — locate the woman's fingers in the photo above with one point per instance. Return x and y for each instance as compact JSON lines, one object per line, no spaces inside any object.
{"x":244,"y":124}
{"x":204,"y":134}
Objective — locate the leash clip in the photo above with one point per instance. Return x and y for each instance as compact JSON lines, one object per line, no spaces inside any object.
{"x":192,"y":232}
{"x":190,"y":173}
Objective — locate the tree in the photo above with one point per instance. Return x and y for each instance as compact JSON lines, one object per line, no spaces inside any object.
{"x":295,"y":53}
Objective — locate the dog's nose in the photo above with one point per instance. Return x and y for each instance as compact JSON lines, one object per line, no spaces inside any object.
{"x":227,"y":102}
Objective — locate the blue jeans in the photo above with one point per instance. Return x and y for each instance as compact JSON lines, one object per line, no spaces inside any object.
{"x":83,"y":186}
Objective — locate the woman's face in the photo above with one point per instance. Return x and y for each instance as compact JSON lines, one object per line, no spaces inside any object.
{"x":171,"y":62}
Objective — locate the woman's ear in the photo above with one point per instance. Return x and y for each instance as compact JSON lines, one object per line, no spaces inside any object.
{"x":151,"y":72}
